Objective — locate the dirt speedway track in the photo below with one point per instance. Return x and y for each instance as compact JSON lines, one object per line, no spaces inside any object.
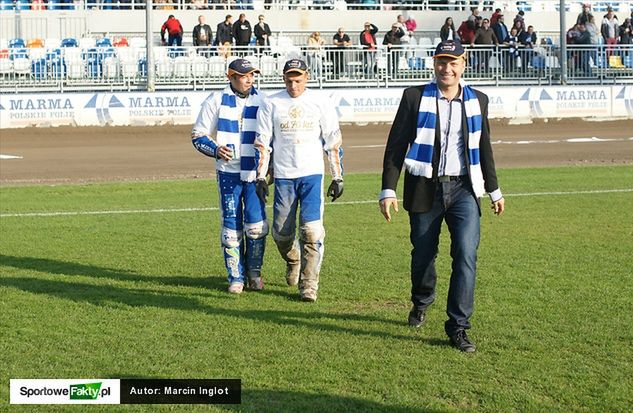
{"x":93,"y":154}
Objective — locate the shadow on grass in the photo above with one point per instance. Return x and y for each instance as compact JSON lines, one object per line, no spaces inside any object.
{"x":50,"y":266}
{"x":291,"y":401}
{"x":109,"y":295}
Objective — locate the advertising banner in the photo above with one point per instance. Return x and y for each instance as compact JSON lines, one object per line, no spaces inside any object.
{"x":353,"y":105}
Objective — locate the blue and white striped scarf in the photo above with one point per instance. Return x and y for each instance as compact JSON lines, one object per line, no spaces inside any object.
{"x":229,"y":129}
{"x":419,"y":159}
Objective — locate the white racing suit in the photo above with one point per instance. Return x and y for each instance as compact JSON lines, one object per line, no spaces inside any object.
{"x":243,"y":216}
{"x":297,"y":131}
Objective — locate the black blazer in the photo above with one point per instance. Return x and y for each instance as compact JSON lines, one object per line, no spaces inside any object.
{"x":420,"y":191}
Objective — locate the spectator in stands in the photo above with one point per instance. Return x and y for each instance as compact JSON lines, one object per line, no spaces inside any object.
{"x":626,"y":32}
{"x":400,"y":22}
{"x":447,"y":31}
{"x":163,"y":5}
{"x":393,"y":43}
{"x":410,"y":25}
{"x":224,"y":31}
{"x":466,"y":32}
{"x":368,"y":42}
{"x":316,"y":53}
{"x":242,"y":31}
{"x":610,"y":27}
{"x":572,"y":34}
{"x":202,"y":35}
{"x":610,"y":30}
{"x":500,"y":28}
{"x":594,"y":37}
{"x":520,"y":20}
{"x":197,"y":5}
{"x":594,"y":31}
{"x":474,"y":13}
{"x":262,"y":32}
{"x":528,"y":41}
{"x":485,"y":36}
{"x":494,"y":17}
{"x":511,"y":55}
{"x":342,"y":41}
{"x":519,"y":26}
{"x":581,"y":58}
{"x":174,"y":30}
{"x":583,"y":17}
{"x":224,"y":50}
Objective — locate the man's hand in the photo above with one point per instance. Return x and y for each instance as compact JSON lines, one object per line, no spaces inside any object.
{"x":224,"y":152}
{"x":261,"y":189}
{"x":385,"y":207}
{"x":498,"y":206}
{"x":336,"y":189}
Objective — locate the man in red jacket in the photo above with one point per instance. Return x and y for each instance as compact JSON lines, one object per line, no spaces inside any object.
{"x":174,"y":30}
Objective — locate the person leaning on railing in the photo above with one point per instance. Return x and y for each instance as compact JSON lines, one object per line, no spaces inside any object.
{"x":368,"y":42}
{"x":393,"y":42}
{"x":316,"y":53}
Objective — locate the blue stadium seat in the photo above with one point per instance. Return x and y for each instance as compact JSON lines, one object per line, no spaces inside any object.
{"x":104,"y":42}
{"x":628,"y":60}
{"x":6,"y":5}
{"x":57,"y":67}
{"x":18,"y":53}
{"x":53,"y":53}
{"x":538,"y":62}
{"x":38,"y":68}
{"x":23,"y":5}
{"x":17,"y":43}
{"x":526,"y":6}
{"x":70,"y":42}
{"x":416,"y":63}
{"x":174,"y":52}
{"x":600,"y":61}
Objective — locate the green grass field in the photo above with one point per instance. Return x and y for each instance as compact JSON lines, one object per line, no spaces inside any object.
{"x":142,"y":294}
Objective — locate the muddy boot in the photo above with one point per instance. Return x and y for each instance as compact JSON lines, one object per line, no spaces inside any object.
{"x":310,"y":266}
{"x":289,"y":250}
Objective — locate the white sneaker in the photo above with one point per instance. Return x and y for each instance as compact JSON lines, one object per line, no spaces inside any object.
{"x":236,"y":288}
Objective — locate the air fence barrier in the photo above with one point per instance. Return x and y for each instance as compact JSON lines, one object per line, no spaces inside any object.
{"x":520,"y":103}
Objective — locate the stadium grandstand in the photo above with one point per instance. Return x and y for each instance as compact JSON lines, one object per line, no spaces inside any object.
{"x":87,"y":45}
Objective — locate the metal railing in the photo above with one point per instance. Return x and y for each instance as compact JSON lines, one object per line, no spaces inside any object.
{"x":125,"y":68}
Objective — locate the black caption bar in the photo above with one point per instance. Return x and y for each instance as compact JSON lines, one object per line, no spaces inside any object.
{"x":181,"y":391}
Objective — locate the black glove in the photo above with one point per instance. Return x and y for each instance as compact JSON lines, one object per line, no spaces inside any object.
{"x":336,"y":189}
{"x":262,"y":189}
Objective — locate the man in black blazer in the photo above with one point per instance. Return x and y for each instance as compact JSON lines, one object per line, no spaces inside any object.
{"x":459,"y":169}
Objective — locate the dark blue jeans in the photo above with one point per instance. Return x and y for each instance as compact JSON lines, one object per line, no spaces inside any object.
{"x":454,"y":203}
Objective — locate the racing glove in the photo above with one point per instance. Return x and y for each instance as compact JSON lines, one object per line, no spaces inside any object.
{"x":336,"y":189}
{"x":261,"y":189}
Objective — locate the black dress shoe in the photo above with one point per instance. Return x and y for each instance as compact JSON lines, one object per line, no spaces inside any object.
{"x":417,"y":317}
{"x":461,"y":341}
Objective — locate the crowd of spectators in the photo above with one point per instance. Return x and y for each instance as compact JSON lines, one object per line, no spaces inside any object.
{"x":489,"y":37}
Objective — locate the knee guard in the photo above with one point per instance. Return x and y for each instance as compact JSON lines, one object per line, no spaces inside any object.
{"x":312,"y":235}
{"x":231,"y":246}
{"x":312,"y":232}
{"x":255,"y":235}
